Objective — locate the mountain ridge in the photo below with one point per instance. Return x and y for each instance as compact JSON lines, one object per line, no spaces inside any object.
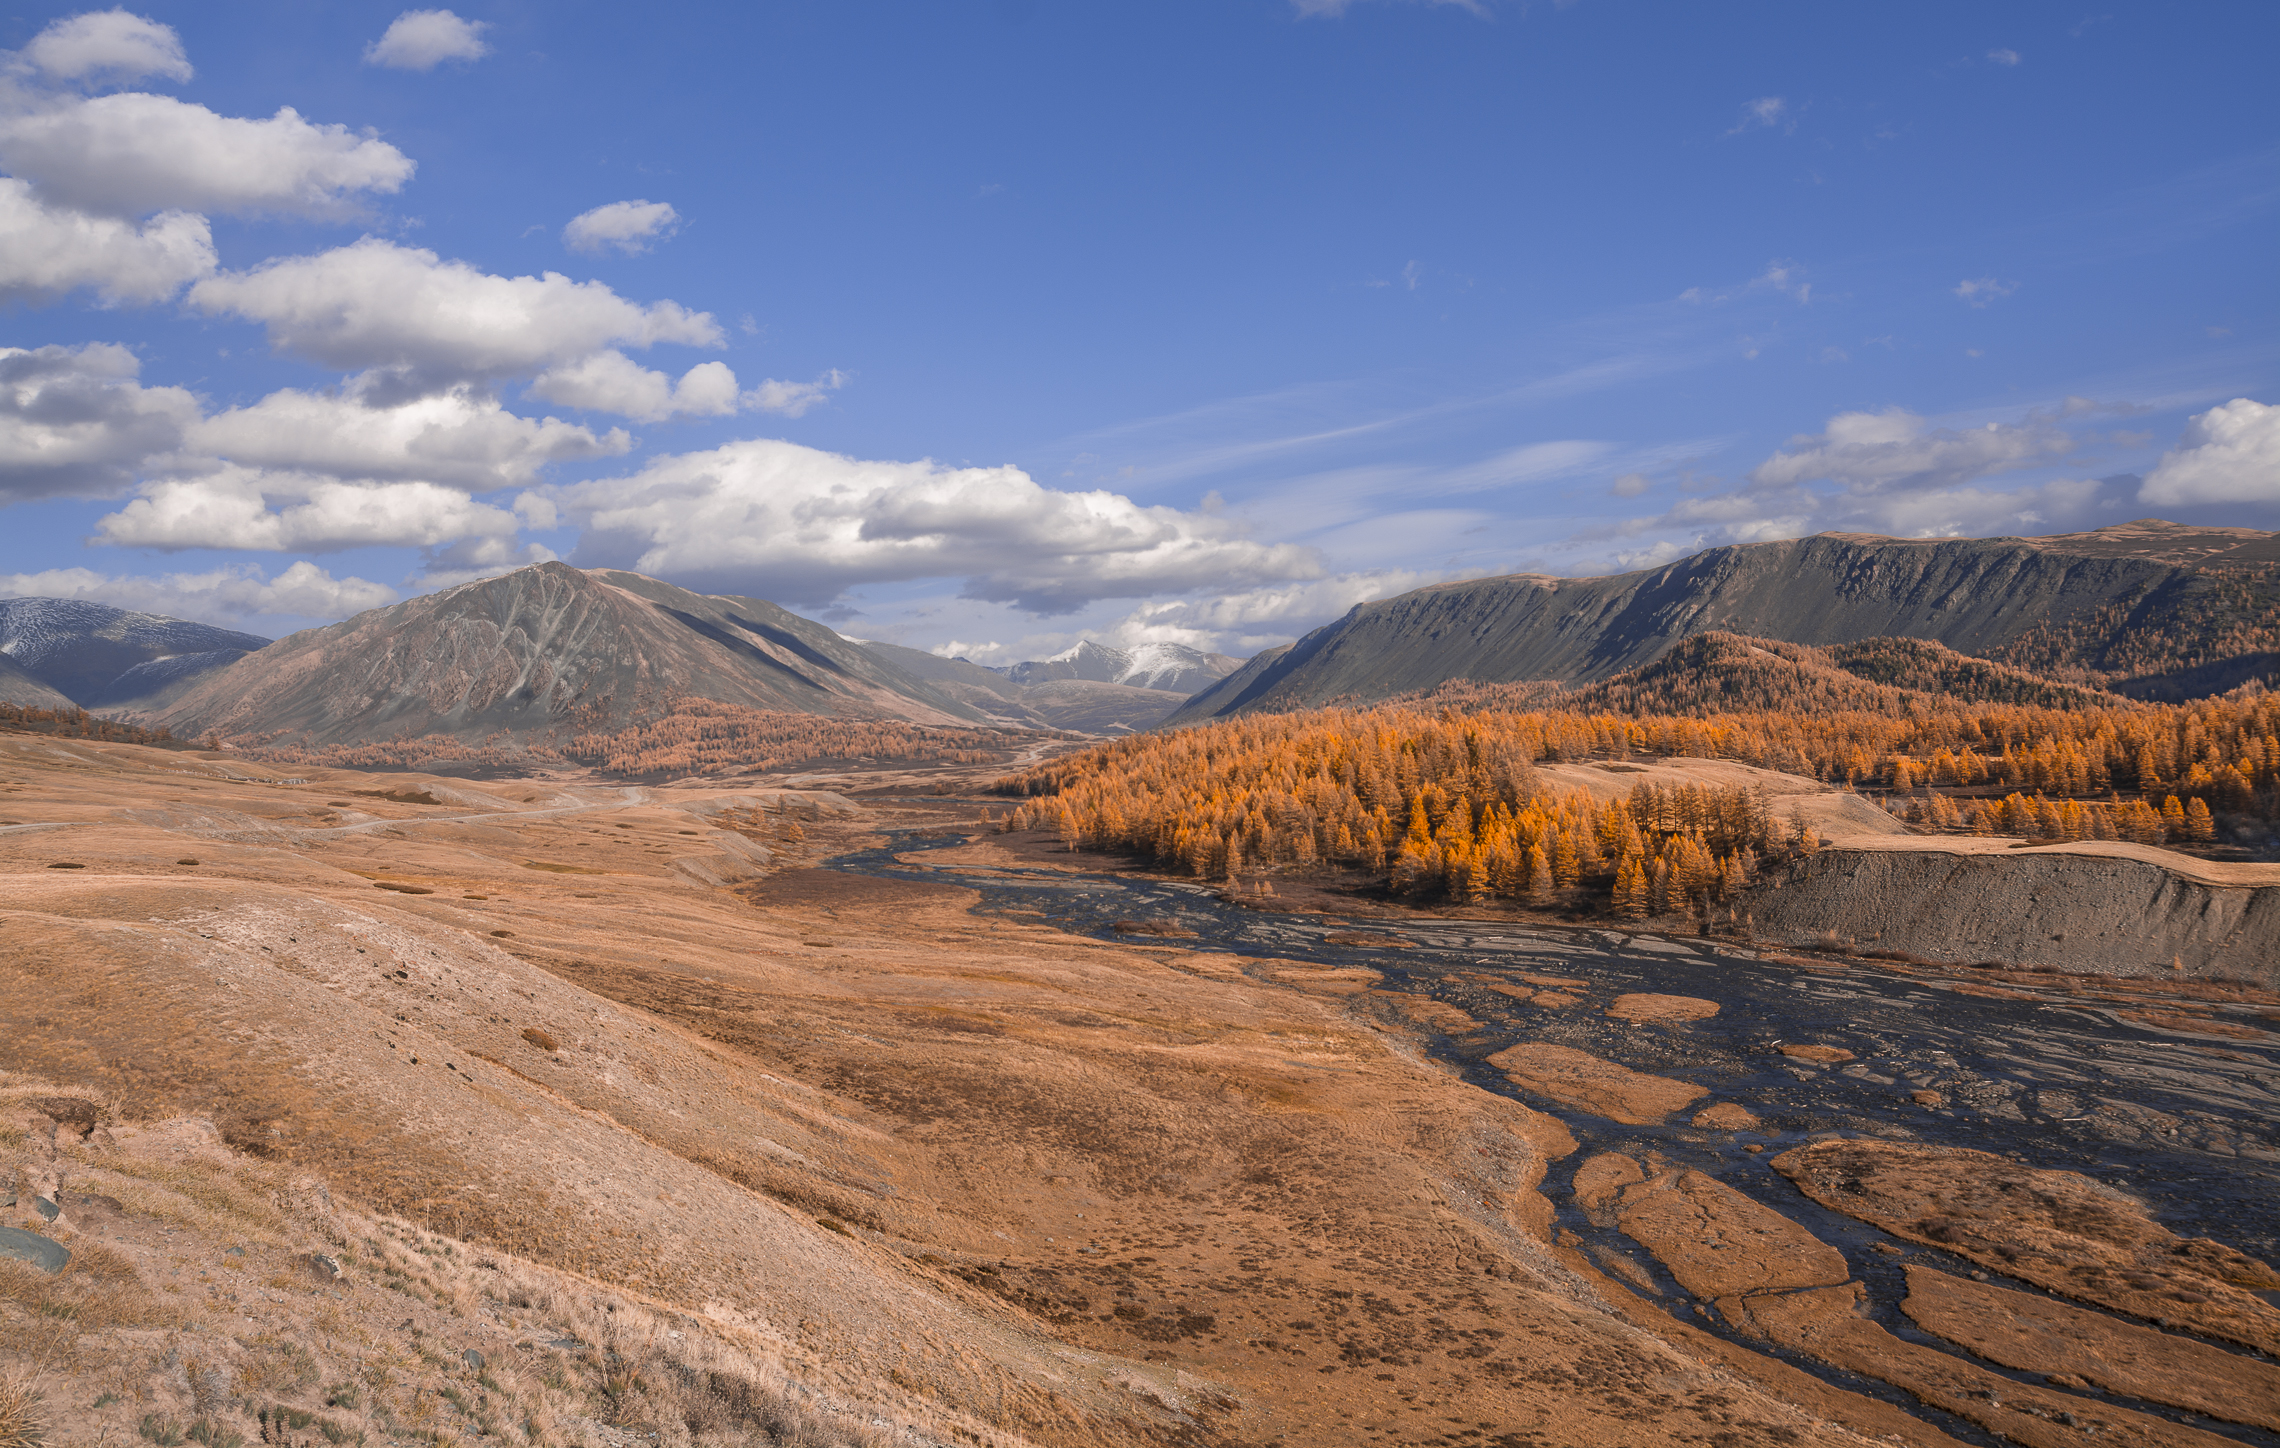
{"x":545,"y":650}
{"x":2103,"y":605}
{"x":97,"y":656}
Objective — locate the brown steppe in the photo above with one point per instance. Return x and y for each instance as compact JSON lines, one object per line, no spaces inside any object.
{"x":689,"y":1139}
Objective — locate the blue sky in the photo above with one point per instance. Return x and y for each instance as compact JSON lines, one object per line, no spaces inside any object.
{"x":989,"y":326}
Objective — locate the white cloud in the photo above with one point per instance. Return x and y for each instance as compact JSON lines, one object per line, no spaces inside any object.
{"x":785,"y":521}
{"x":73,"y":420}
{"x":425,"y":39}
{"x":792,"y":399}
{"x":2229,"y":454}
{"x":132,"y":154}
{"x":108,"y":45}
{"x":1250,"y":617}
{"x":613,"y":382}
{"x":1764,"y":111}
{"x":2003,"y":57}
{"x":1979,"y":291}
{"x":1332,"y":9}
{"x":237,"y":507}
{"x":1874,"y":450}
{"x":374,"y":304}
{"x":461,"y":437}
{"x":47,"y":251}
{"x":627,"y":226}
{"x":230,"y":596}
{"x":1630,"y":485}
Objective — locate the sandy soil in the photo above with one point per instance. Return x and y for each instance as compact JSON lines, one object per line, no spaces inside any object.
{"x":982,"y":1178}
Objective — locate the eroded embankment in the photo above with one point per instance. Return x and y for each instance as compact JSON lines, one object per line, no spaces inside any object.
{"x":2107,"y":914}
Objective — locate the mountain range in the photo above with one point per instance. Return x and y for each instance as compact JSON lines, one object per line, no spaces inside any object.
{"x":545,"y":650}
{"x":2149,"y":608}
{"x":1091,"y":688}
{"x":61,"y":652}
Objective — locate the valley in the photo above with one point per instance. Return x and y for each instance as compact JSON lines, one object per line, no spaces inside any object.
{"x":941,"y":1134}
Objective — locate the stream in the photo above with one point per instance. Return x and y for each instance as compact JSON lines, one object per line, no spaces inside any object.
{"x":2187,"y":1122}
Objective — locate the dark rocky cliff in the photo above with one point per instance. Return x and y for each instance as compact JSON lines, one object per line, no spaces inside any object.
{"x":2075,"y":600}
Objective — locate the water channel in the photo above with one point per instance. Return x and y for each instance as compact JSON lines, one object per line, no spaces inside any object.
{"x":2044,"y":1072}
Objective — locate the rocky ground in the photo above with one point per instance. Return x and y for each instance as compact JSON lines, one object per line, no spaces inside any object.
{"x":326,"y":1082}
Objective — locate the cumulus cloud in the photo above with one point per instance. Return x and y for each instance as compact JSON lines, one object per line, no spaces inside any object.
{"x":425,"y":39}
{"x":1876,"y":450}
{"x":1249,"y":618}
{"x":462,"y":437}
{"x":74,"y":420}
{"x":46,"y":251}
{"x":230,"y":596}
{"x":792,"y":399}
{"x":237,"y":507}
{"x":613,"y":382}
{"x":132,"y":154}
{"x":627,"y":226}
{"x":785,"y":521}
{"x":374,"y":304}
{"x":108,"y":45}
{"x":1979,"y":291}
{"x":1891,"y":473}
{"x":2229,"y":454}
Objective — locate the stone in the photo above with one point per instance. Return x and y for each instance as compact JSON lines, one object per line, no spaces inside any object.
{"x":45,"y":1253}
{"x":1931,"y":1099}
{"x":1824,"y":1055}
{"x":325,"y":1269}
{"x":473,"y":1359}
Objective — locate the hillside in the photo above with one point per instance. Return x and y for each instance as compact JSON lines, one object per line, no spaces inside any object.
{"x":1717,"y":673}
{"x":545,"y":651}
{"x":97,"y":656}
{"x":22,"y":688}
{"x":2136,"y":608}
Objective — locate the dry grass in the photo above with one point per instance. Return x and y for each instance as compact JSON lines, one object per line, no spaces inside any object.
{"x":227,"y":1239}
{"x":23,"y":1424}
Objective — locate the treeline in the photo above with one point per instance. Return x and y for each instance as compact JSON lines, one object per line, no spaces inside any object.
{"x":701,"y":736}
{"x":1454,"y":802}
{"x":78,"y":724}
{"x":2227,"y":611}
{"x":498,"y":752}
{"x":696,"y":736}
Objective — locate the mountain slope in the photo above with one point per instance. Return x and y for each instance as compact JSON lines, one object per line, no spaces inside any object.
{"x":1174,"y":668}
{"x":2116,"y":603}
{"x":99,"y":656}
{"x":1083,"y":704}
{"x":546,"y":649}
{"x":21,"y":688}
